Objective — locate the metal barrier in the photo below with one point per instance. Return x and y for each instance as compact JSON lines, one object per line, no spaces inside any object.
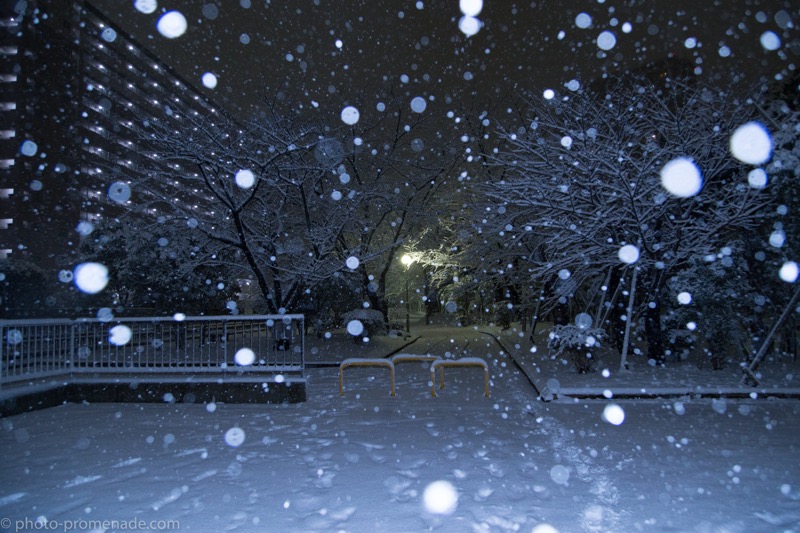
{"x":410,"y":358}
{"x":31,"y":349}
{"x":364,"y":362}
{"x":463,"y":362}
{"x":437,"y":363}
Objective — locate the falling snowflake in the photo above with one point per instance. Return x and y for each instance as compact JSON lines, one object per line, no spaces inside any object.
{"x":172,"y":24}
{"x":751,"y":143}
{"x":350,"y":115}
{"x":245,"y":357}
{"x":628,"y":254}
{"x":355,"y":328}
{"x":613,"y":414}
{"x":440,"y":497}
{"x":120,"y":335}
{"x":91,"y":278}
{"x":583,"y":20}
{"x":234,"y":437}
{"x":681,"y":178}
{"x":245,"y":179}
{"x":418,"y":104}
{"x":606,"y":40}
{"x":209,"y":80}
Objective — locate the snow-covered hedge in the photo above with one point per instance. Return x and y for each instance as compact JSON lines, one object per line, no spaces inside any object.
{"x":372,"y":320}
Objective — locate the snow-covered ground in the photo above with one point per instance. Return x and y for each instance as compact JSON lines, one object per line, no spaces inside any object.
{"x":370,"y":462}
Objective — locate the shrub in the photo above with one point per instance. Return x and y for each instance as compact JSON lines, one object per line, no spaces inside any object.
{"x":576,"y":343}
{"x":503,"y":314}
{"x":372,"y":320}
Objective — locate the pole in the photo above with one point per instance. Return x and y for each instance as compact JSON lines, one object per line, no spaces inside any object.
{"x":408,"y":307}
{"x":603,"y":293}
{"x":749,"y":371}
{"x":623,"y":364}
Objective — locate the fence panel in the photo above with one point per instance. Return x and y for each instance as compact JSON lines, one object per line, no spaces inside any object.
{"x":38,"y":348}
{"x":35,"y":347}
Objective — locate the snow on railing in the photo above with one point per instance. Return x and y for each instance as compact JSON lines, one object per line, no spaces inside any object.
{"x":32,"y":349}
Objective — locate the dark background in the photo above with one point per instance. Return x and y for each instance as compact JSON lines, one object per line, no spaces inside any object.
{"x":291,"y":50}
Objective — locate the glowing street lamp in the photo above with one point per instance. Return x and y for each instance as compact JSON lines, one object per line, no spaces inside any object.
{"x":407,"y":260}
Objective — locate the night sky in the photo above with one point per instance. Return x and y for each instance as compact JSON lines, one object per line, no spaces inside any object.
{"x":259,"y":49}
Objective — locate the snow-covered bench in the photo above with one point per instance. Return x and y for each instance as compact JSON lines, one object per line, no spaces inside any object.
{"x":380,"y":362}
{"x":463,"y":362}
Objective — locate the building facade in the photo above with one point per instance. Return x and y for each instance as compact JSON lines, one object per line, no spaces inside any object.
{"x":75,"y":89}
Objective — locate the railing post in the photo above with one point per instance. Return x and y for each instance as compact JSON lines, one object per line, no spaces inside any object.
{"x":302,"y":345}
{"x":2,"y":345}
{"x":71,"y":361}
{"x":224,"y":341}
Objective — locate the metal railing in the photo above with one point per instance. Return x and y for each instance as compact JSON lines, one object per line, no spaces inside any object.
{"x":31,"y":349}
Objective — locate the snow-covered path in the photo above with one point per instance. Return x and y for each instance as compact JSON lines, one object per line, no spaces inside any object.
{"x":362,"y":462}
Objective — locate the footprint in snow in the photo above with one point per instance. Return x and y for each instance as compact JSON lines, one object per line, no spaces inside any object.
{"x":321,"y":442}
{"x":411,"y":474}
{"x":324,"y":480}
{"x":370,"y":446}
{"x":238,"y":520}
{"x":80,"y":480}
{"x":127,"y":462}
{"x":204,"y":475}
{"x":352,"y":457}
{"x":482,"y":494}
{"x":184,"y":453}
{"x":342,"y":514}
{"x":324,"y":519}
{"x":396,"y":485}
{"x":782,"y":520}
{"x":495,"y":470}
{"x":169,"y":498}
{"x":377,"y":458}
{"x":11,"y":498}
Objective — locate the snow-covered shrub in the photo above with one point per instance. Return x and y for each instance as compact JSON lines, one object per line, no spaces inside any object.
{"x":722,"y":303}
{"x":322,"y":322}
{"x":575,"y":342}
{"x":681,"y":343}
{"x":503,"y":314}
{"x":370,"y":319}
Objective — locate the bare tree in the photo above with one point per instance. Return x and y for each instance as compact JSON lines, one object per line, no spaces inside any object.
{"x":397,"y":163}
{"x":254,"y":196}
{"x":581,"y":180}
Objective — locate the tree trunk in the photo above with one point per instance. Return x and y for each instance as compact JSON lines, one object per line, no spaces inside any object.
{"x":377,"y":298}
{"x":749,"y":371}
{"x":535,"y":318}
{"x":612,"y":318}
{"x":652,"y":318}
{"x":598,"y":316}
{"x":561,"y":313}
